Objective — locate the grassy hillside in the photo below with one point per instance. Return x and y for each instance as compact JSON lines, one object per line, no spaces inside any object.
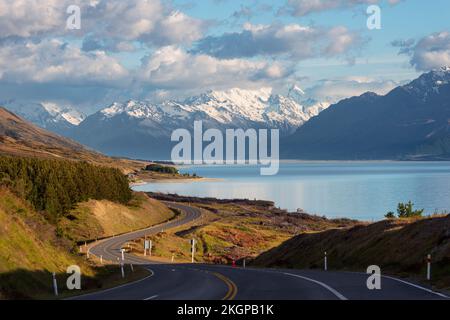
{"x":398,"y":246}
{"x":98,"y":219}
{"x":29,"y":250}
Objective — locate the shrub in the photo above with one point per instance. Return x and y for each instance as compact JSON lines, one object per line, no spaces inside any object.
{"x":390,"y":215}
{"x":407,"y":210}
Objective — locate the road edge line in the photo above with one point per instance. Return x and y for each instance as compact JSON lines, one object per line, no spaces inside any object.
{"x":114,"y":288}
{"x":417,"y":286}
{"x":333,"y":291}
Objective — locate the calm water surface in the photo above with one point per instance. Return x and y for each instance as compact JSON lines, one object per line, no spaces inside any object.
{"x":360,"y":190}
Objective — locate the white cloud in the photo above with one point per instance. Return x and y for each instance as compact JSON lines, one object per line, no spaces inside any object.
{"x":55,"y":61}
{"x":151,"y":22}
{"x":429,"y":52}
{"x":293,"y":40}
{"x":173,"y":68}
{"x":338,"y":89}
{"x":432,"y":52}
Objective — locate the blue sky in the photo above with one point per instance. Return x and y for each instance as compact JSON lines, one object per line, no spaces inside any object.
{"x":412,"y":19}
{"x":156,"y":50}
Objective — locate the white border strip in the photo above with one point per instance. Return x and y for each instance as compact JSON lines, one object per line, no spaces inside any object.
{"x":114,"y":288}
{"x":418,"y":287}
{"x":333,"y":291}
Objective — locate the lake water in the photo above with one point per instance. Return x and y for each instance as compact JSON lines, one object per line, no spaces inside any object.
{"x":359,"y":190}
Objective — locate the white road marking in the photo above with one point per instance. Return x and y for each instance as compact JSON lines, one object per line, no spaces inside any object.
{"x":333,"y":291}
{"x":418,"y":287}
{"x":151,"y":298}
{"x":111,"y":289}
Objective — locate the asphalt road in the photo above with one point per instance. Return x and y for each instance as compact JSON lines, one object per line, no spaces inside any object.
{"x":215,"y":282}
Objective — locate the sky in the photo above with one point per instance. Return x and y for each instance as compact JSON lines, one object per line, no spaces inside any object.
{"x":157,"y":50}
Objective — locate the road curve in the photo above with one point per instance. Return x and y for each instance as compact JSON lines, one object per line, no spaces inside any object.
{"x":214,"y":282}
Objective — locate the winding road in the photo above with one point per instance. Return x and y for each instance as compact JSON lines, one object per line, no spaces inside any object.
{"x":217,"y":282}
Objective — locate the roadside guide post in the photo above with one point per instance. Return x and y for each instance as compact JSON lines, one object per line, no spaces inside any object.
{"x":325,"y":262}
{"x":55,"y":284}
{"x":193,"y":249}
{"x":429,"y":267}
{"x":146,"y":246}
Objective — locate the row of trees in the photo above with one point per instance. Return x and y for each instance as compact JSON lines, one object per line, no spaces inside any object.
{"x":154,"y":167}
{"x":55,"y":186}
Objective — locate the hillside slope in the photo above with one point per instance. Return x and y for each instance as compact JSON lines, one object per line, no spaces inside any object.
{"x":29,"y":250}
{"x":98,"y":219}
{"x":397,"y":246}
{"x":21,"y":138}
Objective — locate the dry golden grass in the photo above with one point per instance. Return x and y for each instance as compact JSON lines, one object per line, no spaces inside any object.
{"x":98,"y":219}
{"x":399,"y":246}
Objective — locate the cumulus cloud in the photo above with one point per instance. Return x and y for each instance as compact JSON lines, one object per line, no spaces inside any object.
{"x":305,"y":7}
{"x":293,"y":40}
{"x":173,"y":68}
{"x":430,"y":52}
{"x":148,"y":21}
{"x":55,"y":61}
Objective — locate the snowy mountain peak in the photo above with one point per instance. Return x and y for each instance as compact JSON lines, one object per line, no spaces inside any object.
{"x":429,"y":83}
{"x":70,"y":115}
{"x":296,"y":93}
{"x":233,"y":107}
{"x":47,"y":115}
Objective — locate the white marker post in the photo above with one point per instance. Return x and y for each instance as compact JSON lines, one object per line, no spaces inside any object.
{"x":429,"y":267}
{"x":150,"y":249}
{"x":101,"y":259}
{"x":55,"y":284}
{"x":121,"y":270}
{"x":173,"y":257}
{"x":123,"y":255}
{"x":131,"y":266}
{"x":325,"y":262}
{"x":243,"y":263}
{"x":145,"y":246}
{"x":193,"y":249}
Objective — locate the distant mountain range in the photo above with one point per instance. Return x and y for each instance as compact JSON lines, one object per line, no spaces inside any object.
{"x":46,"y":115}
{"x":141,"y":129}
{"x":410,"y":122}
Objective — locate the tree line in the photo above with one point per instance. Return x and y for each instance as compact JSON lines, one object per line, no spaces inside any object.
{"x":55,"y":186}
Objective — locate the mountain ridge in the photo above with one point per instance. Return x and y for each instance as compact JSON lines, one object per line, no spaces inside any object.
{"x":411,"y":122}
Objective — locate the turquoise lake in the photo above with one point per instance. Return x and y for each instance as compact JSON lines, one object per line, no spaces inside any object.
{"x":359,"y":190}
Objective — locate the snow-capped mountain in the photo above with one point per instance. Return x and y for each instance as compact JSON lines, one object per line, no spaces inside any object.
{"x":410,"y":122}
{"x":429,"y":83}
{"x":46,"y":114}
{"x":121,"y":128}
